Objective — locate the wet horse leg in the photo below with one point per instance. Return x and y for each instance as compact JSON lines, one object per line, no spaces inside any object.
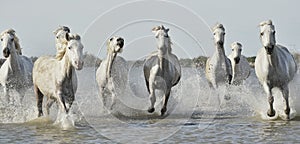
{"x":167,"y":95}
{"x":285,"y":93}
{"x":268,"y":90}
{"x":6,"y":93}
{"x":49,"y":104}
{"x":21,"y":91}
{"x":152,"y":98}
{"x":111,"y":88}
{"x":39,"y":98}
{"x":61,"y":102}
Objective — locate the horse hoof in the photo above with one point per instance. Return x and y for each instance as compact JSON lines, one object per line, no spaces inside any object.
{"x":271,"y":113}
{"x":163,"y":111}
{"x":40,"y":114}
{"x":151,"y":110}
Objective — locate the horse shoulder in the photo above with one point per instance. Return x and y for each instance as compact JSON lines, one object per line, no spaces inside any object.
{"x":74,"y":81}
{"x":44,"y":68}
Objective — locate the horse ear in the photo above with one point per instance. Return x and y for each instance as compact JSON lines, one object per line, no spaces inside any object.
{"x":154,"y":29}
{"x":167,"y":30}
{"x":67,"y":37}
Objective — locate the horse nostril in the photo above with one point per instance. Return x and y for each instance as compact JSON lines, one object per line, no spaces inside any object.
{"x":120,"y":40}
{"x":237,"y":60}
{"x":6,"y":52}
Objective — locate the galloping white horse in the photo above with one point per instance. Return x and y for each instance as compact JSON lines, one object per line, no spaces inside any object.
{"x":218,"y":66}
{"x":16,"y":71}
{"x":239,"y":63}
{"x":161,"y":69}
{"x":274,"y":66}
{"x":104,"y":76}
{"x":56,"y":78}
{"x":61,"y":41}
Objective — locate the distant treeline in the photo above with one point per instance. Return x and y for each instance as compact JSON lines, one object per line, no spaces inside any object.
{"x":92,"y":61}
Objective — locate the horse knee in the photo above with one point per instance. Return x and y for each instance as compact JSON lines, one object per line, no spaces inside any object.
{"x":271,"y":99}
{"x":152,"y":98}
{"x":287,"y":111}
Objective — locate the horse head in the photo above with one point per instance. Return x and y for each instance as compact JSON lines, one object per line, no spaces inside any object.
{"x":219,"y":34}
{"x":162,"y":38}
{"x":115,"y":45}
{"x":61,"y":39}
{"x":10,"y":43}
{"x":236,"y":48}
{"x":267,"y":36}
{"x":61,"y":34}
{"x":74,"y":51}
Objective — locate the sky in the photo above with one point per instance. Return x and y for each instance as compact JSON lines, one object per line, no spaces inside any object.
{"x":189,"y":21}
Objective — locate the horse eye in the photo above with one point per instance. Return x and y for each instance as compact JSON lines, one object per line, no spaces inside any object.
{"x":69,"y":47}
{"x":232,"y":49}
{"x":110,"y":39}
{"x":1,"y":39}
{"x":261,"y":34}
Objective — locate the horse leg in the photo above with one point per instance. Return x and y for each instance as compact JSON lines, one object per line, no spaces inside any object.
{"x":6,"y":93}
{"x":49,"y":104}
{"x":21,"y":92}
{"x":268,"y":90}
{"x":39,"y":98}
{"x":61,"y":102}
{"x":113,"y":94}
{"x":167,"y":95}
{"x":101,"y":93}
{"x":285,"y":93}
{"x":152,"y":97}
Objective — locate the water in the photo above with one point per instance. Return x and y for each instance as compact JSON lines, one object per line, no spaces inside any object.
{"x":195,"y":114}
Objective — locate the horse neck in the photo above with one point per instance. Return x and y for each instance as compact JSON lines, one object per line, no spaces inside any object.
{"x":13,"y":60}
{"x":66,"y":66}
{"x":110,"y":59}
{"x":220,"y":50}
{"x":273,"y":58}
{"x":163,"y":58}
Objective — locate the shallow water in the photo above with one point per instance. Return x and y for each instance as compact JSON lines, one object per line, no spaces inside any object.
{"x":195,"y":114}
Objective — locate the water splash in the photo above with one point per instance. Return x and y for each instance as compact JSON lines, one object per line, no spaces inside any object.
{"x":65,"y":121}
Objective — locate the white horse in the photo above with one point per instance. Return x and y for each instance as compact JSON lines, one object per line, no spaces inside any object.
{"x":56,"y":78}
{"x":16,"y":71}
{"x":61,"y":41}
{"x":274,"y":66}
{"x":218,"y":66}
{"x":161,"y":69}
{"x":239,"y":63}
{"x":104,"y":74}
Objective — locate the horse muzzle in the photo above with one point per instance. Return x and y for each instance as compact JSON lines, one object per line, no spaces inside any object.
{"x":237,"y":60}
{"x":120,"y":42}
{"x":269,"y":49}
{"x":79,"y":65}
{"x":220,"y":42}
{"x":6,"y":52}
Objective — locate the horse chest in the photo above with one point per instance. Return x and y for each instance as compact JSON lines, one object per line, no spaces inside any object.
{"x":65,"y":87}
